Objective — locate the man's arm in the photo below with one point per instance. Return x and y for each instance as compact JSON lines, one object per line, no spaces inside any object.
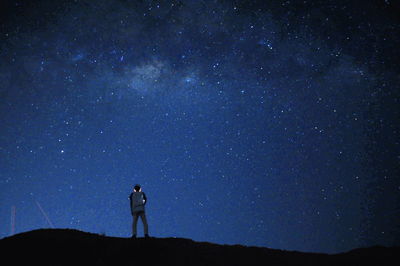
{"x":130,"y":201}
{"x":145,"y":198}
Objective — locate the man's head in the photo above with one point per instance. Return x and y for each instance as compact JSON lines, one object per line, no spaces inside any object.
{"x":137,"y":188}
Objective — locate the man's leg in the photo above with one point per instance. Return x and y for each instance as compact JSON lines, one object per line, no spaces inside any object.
{"x":134,"y":224}
{"x":145,"y":226}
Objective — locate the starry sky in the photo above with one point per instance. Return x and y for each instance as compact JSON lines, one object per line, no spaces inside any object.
{"x":263,"y":123}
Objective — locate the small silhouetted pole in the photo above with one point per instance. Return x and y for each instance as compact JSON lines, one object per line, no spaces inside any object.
{"x":12,"y":220}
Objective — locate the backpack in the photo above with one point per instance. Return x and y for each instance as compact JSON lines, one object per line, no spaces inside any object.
{"x":137,"y":199}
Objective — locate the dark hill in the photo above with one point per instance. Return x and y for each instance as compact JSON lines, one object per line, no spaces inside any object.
{"x":72,"y":247}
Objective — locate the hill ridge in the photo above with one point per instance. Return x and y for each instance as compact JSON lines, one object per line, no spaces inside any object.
{"x":72,"y":246}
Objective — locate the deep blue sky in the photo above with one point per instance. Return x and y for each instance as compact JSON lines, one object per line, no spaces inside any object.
{"x":267,"y":123}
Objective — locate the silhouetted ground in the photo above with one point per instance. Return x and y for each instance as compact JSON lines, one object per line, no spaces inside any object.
{"x":72,"y":247}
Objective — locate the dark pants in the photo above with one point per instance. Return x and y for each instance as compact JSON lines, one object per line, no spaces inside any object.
{"x":144,"y":220}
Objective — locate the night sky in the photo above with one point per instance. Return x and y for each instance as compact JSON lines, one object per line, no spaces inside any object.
{"x":263,"y":123}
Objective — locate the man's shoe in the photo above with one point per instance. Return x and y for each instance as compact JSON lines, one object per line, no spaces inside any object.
{"x":146,"y":236}
{"x":133,"y":236}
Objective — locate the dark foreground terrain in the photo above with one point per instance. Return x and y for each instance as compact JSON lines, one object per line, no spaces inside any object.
{"x":72,"y":247}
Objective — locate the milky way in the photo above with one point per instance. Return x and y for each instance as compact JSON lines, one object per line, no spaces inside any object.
{"x":266,"y":123}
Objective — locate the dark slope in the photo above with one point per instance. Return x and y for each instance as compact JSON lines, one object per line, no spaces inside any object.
{"x":72,"y":247}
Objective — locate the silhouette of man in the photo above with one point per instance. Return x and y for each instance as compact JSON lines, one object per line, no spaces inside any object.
{"x":138,"y":200}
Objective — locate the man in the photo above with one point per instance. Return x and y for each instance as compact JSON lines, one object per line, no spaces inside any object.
{"x":138,"y":200}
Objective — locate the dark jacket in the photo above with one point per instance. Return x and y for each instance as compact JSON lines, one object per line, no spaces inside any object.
{"x":138,"y":200}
